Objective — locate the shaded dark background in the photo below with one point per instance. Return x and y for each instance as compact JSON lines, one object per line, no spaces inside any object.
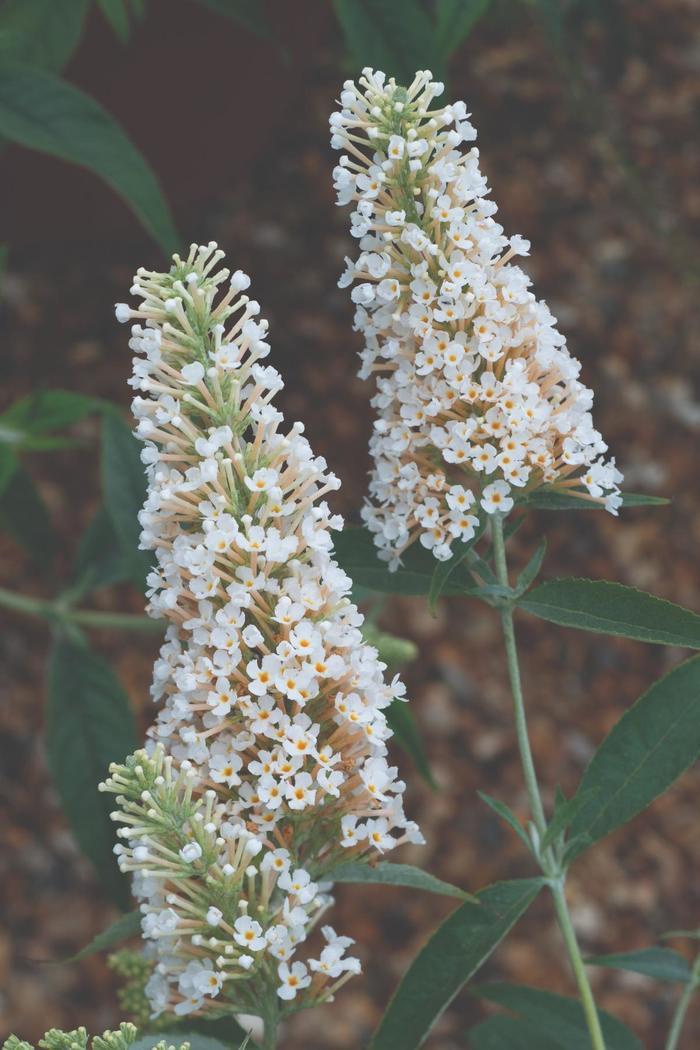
{"x":593,"y":154}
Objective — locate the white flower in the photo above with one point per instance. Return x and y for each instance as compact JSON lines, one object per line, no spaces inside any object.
{"x":474,"y":383}
{"x":299,"y":884}
{"x":293,"y":979}
{"x":495,"y":498}
{"x":249,"y":934}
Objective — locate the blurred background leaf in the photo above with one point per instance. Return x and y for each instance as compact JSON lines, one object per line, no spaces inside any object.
{"x":247,"y":13}
{"x":24,"y":515}
{"x":43,"y":112}
{"x":42,"y":33}
{"x":124,"y":488}
{"x":395,"y":36}
{"x":455,"y":21}
{"x":89,"y":724}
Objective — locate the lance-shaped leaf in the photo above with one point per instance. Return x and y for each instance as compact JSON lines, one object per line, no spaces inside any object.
{"x":507,"y":814}
{"x":41,"y":33}
{"x":250,"y":15}
{"x":223,"y":1027}
{"x":125,"y":927}
{"x":406,"y":732}
{"x":452,"y":955}
{"x":557,"y":1017}
{"x":26,"y":424}
{"x":100,"y":560}
{"x":395,"y":36}
{"x":43,"y":112}
{"x":542,"y":499}
{"x":661,"y":963}
{"x":455,"y":21}
{"x":387,"y":874}
{"x":564,"y":812}
{"x":8,"y":465}
{"x":510,"y":1033}
{"x":529,"y":573}
{"x":89,"y":725}
{"x":124,"y":487}
{"x":613,"y":608}
{"x":652,"y":744}
{"x":117,"y":14}
{"x":357,"y":555}
{"x":24,"y":515}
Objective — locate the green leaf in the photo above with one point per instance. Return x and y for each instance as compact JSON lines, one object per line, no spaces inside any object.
{"x":100,"y":561}
{"x":89,"y":725}
{"x":564,"y":812}
{"x":42,"y":412}
{"x":42,"y":112}
{"x":8,"y":465}
{"x":357,"y":555}
{"x":652,"y":744}
{"x":557,"y":1017}
{"x":613,"y":608}
{"x":387,"y":874}
{"x":455,"y":21}
{"x":395,"y":36}
{"x":529,"y":573}
{"x":42,"y":33}
{"x":544,"y":499}
{"x":124,"y":488}
{"x":249,"y":13}
{"x":661,"y":963}
{"x":24,"y":516}
{"x":509,"y":1033}
{"x":393,"y":651}
{"x":444,"y":569}
{"x":452,"y":955}
{"x":507,"y":814}
{"x":224,"y":1027}
{"x":117,"y":14}
{"x":125,"y":927}
{"x":406,"y":732}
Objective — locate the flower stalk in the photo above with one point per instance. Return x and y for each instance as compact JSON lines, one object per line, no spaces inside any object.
{"x":57,"y":610}
{"x":555,"y":875}
{"x":681,"y":1010}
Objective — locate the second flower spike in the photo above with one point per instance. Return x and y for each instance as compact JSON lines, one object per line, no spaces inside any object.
{"x":478,"y":399}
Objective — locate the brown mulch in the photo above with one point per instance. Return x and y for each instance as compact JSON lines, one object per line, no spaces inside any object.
{"x":603,"y":185}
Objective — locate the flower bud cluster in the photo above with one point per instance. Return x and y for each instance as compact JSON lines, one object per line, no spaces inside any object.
{"x":478,"y":399}
{"x":266,"y":766}
{"x":78,"y":1039}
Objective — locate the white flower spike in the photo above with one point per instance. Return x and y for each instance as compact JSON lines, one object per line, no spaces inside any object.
{"x":476,"y":390}
{"x":270,"y":741}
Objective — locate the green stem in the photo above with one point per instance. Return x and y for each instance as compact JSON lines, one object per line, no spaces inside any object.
{"x":55,"y":610}
{"x":682,"y":1008}
{"x":526,"y":758}
{"x":556,"y":883}
{"x":271,"y":1021}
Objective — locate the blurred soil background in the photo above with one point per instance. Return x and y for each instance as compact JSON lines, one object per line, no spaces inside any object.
{"x":595,"y":159}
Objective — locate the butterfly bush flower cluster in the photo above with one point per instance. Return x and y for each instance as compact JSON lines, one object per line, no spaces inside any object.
{"x":478,"y":399}
{"x":267,"y":764}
